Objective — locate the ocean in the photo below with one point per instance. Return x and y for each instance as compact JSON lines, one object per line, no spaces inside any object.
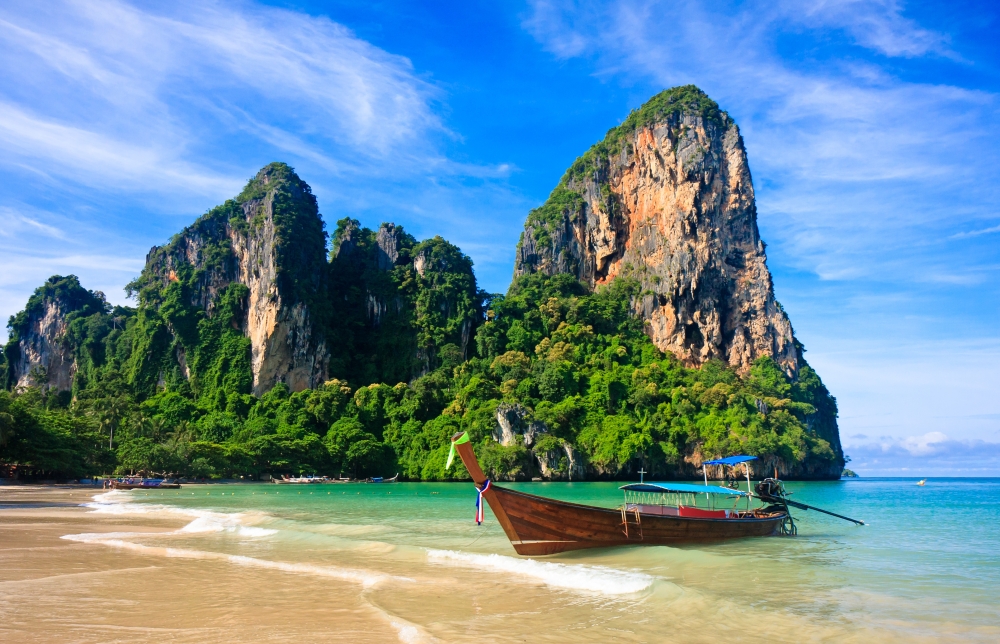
{"x":406,"y":561}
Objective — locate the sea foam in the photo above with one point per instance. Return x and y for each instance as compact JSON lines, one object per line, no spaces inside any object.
{"x":118,"y":540}
{"x":596,"y":579}
{"x":202,"y":521}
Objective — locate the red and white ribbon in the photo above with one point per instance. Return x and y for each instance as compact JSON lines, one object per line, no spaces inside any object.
{"x":479,"y":502}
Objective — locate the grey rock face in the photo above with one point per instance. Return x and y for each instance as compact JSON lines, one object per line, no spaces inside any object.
{"x":420,"y":263}
{"x":348,"y":242}
{"x":388,"y":241}
{"x":563,"y":463}
{"x":285,"y":344}
{"x":675,"y":211}
{"x":44,"y":360}
{"x":558,"y":463}
{"x":512,"y":421}
{"x":40,"y":352}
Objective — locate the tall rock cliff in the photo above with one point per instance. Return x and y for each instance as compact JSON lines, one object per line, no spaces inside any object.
{"x":667,"y":199}
{"x":270,"y":241}
{"x":40,"y":350}
{"x":401,"y":307}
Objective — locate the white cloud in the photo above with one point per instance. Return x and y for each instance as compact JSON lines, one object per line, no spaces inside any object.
{"x":877,"y":25}
{"x":911,"y":392}
{"x":124,"y":95}
{"x":97,"y":159}
{"x":853,"y":166}
{"x":977,"y":233}
{"x":13,"y":223}
{"x":923,"y":445}
{"x":932,"y":454}
{"x":124,"y":115}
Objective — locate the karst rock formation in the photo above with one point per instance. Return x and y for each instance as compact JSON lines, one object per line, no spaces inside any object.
{"x":271,"y":240}
{"x":667,"y":199}
{"x":40,"y":351}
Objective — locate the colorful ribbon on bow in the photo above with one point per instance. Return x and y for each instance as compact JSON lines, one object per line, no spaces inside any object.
{"x":464,"y":438}
{"x":479,"y":502}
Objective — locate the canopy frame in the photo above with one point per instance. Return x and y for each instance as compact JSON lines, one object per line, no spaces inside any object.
{"x":732,"y":461}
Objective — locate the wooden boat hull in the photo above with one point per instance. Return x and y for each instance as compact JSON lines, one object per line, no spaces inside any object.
{"x":539,"y":526}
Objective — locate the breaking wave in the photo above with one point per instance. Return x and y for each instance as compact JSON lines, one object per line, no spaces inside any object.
{"x":202,"y":521}
{"x":117,"y":540}
{"x":596,"y":579}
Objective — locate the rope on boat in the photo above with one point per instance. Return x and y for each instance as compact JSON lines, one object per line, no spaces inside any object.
{"x":489,"y":530}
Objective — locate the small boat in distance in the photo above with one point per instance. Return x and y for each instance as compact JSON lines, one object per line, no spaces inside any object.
{"x":302,"y":479}
{"x":141,"y":484}
{"x":921,"y":482}
{"x":379,"y":479}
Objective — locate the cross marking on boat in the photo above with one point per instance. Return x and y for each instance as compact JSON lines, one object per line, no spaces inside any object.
{"x":641,"y":473}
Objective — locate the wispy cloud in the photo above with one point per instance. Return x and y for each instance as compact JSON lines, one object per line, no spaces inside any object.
{"x":100,"y":160}
{"x":36,"y":244}
{"x":898,"y":388}
{"x":878,"y":25}
{"x":15,"y":223}
{"x":853,"y":164}
{"x":125,"y":95}
{"x":977,"y":233}
{"x":132,"y":118}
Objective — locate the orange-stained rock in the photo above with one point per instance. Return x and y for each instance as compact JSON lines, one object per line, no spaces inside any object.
{"x":667,"y":199}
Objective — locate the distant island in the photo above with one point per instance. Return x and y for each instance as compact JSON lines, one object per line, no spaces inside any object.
{"x":640,"y":331}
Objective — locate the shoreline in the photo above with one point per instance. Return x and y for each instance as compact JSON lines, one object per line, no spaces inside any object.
{"x":384,"y":567}
{"x":57,"y":589}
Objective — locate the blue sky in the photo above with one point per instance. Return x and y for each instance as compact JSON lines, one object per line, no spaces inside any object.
{"x":871,"y":129}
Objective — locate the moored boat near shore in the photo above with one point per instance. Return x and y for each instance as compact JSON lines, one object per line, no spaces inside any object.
{"x":652,"y":514}
{"x":539,"y":526}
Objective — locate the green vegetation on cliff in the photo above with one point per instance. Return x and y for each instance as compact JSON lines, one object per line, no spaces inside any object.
{"x":409,"y":350}
{"x":577,"y":362}
{"x":394,"y":319}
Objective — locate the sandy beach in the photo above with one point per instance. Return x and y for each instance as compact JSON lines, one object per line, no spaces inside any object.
{"x":57,"y":590}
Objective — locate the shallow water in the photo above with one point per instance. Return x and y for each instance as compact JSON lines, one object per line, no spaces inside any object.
{"x":408,"y":561}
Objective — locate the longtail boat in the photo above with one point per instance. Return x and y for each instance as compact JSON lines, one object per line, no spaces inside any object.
{"x":284,"y":480}
{"x":141,"y":484}
{"x":652,"y":514}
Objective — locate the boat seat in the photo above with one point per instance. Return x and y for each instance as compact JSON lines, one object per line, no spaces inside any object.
{"x":686,"y":511}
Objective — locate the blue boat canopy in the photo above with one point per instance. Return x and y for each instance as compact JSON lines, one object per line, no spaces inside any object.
{"x":730,"y":460}
{"x":681,"y":488}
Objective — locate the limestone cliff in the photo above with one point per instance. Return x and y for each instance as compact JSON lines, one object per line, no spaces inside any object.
{"x":667,"y":199}
{"x":401,"y":308}
{"x":270,"y":239}
{"x":39,"y":351}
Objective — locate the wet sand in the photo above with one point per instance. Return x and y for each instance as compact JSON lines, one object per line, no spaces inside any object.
{"x":56,"y":590}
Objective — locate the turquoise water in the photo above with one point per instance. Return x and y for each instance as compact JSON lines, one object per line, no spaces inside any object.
{"x":926,"y":566}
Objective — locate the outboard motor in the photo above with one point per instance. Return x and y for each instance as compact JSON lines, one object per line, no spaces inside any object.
{"x":772,"y":490}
